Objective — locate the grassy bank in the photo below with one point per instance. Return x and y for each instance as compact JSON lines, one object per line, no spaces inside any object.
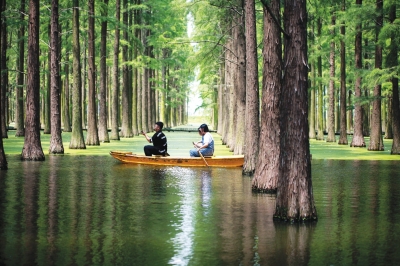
{"x":179,"y":144}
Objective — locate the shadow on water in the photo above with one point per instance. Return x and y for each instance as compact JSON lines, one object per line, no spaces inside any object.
{"x":93,"y":210}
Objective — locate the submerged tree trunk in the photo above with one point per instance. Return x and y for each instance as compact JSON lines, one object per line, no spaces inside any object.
{"x":376,"y":139}
{"x":267,"y":172}
{"x":77,"y":141}
{"x":358,"y":136}
{"x":92,"y":137}
{"x":103,"y":130}
{"x":331,"y":111}
{"x":115,"y":82}
{"x":343,"y":94}
{"x":19,"y":90}
{"x":251,"y":138}
{"x":295,"y":200}
{"x":56,"y":144}
{"x":32,"y":149}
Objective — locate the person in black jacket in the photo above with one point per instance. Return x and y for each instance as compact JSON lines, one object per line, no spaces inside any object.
{"x":159,"y":141}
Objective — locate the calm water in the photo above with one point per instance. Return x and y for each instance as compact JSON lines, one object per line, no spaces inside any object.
{"x":96,"y":211}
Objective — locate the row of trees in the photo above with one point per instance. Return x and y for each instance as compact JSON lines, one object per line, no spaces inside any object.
{"x":352,"y":63}
{"x":357,"y":94}
{"x":94,"y":65}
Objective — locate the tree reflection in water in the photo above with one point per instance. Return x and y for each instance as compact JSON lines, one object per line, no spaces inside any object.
{"x":94,"y":210}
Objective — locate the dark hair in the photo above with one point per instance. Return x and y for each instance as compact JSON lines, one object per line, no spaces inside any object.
{"x":160,"y":124}
{"x":204,"y":127}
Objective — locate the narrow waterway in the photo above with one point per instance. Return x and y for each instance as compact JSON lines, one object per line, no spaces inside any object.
{"x":93,"y":210}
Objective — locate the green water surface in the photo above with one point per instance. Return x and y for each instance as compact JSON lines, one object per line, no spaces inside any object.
{"x":93,"y":210}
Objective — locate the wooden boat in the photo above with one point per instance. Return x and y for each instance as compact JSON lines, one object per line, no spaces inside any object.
{"x":214,"y":161}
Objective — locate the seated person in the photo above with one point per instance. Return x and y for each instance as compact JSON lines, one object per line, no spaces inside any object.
{"x":159,"y":141}
{"x":206,"y":145}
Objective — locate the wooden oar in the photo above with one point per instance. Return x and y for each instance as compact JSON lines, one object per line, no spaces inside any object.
{"x":204,"y":159}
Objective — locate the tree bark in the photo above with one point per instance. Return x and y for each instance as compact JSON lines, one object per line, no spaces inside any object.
{"x":393,"y":61}
{"x":240,"y":82}
{"x":312,"y":104}
{"x":77,"y":141}
{"x":295,"y":201}
{"x":320,"y":109}
{"x":4,"y":72}
{"x":3,"y":159}
{"x":358,"y":137}
{"x":267,"y":172}
{"x":32,"y":149}
{"x":115,"y":75}
{"x":252,"y":133}
{"x":126,"y":126}
{"x":46,"y":96}
{"x":66,"y":94}
{"x":376,"y":138}
{"x":56,"y":144}
{"x":343,"y":94}
{"x":103,"y":130}
{"x":134,"y":52}
{"x":331,"y":111}
{"x":92,"y":137}
{"x":19,"y":91}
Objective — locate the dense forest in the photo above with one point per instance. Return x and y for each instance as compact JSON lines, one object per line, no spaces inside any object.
{"x":273,"y":74}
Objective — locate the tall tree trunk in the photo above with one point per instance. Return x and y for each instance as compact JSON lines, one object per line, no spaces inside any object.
{"x":267,"y":172}
{"x":32,"y":149}
{"x":295,"y":200}
{"x":77,"y":140}
{"x":92,"y":137}
{"x":389,"y":128}
{"x":3,"y":72}
{"x":312,"y":103}
{"x":3,"y":159}
{"x":126,"y":127}
{"x":56,"y":144}
{"x":165,"y":55}
{"x":331,"y":111}
{"x":103,"y":130}
{"x":376,"y":138}
{"x":240,"y":84}
{"x":393,"y":62}
{"x":232,"y":97}
{"x":136,"y":100}
{"x":343,"y":94}
{"x":145,"y":82}
{"x":312,"y":91}
{"x":115,"y":76}
{"x":358,"y":137}
{"x":84,"y":88}
{"x":221,"y":86}
{"x":366,"y":105}
{"x":320,"y":109}
{"x":46,"y":102}
{"x":19,"y":91}
{"x":66,"y":113}
{"x":144,"y":92}
{"x":350,"y":112}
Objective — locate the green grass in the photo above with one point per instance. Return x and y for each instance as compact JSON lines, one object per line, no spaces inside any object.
{"x":179,"y":144}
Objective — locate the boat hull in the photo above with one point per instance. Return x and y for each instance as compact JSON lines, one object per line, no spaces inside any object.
{"x":215,"y":161}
